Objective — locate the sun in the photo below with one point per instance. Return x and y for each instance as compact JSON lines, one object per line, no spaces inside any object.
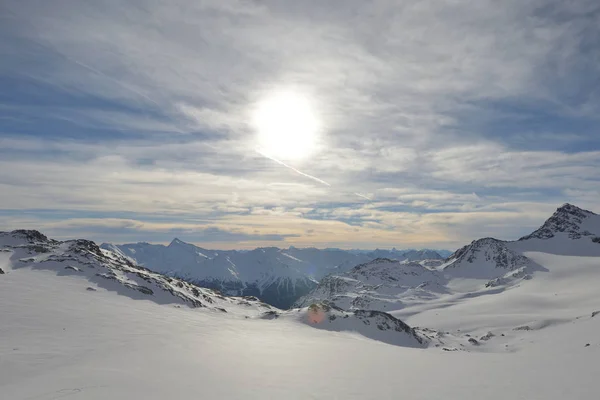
{"x":286,"y":125}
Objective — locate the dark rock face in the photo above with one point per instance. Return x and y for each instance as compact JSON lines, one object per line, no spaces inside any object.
{"x":270,"y":315}
{"x":566,"y":219}
{"x":1,"y":271}
{"x":474,"y":342}
{"x":386,"y":322}
{"x":31,"y":236}
{"x":468,"y":252}
{"x":283,"y":294}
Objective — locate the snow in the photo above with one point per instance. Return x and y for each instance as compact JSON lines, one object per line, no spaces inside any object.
{"x":566,"y":292}
{"x":58,"y":340}
{"x":522,"y":338}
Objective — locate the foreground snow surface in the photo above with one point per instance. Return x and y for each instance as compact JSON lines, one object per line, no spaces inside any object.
{"x":59,"y":340}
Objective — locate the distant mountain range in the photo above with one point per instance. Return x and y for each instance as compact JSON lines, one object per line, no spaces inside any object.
{"x":381,"y":280}
{"x":276,"y":276}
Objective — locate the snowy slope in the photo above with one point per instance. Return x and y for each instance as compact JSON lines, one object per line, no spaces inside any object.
{"x":376,"y":325}
{"x":565,"y":296}
{"x":58,"y":340}
{"x":569,"y":231}
{"x":101,"y":269}
{"x":532,"y":338}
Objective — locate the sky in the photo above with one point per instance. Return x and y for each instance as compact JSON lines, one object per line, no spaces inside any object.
{"x":436,"y":122}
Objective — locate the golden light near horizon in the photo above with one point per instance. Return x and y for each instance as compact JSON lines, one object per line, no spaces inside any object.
{"x":287,"y":125}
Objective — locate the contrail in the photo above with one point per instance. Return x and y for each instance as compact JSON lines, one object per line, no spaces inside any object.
{"x":41,"y":42}
{"x":314,"y":178}
{"x":117,"y":81}
{"x":363,"y":196}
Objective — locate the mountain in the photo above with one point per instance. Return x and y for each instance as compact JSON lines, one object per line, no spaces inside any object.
{"x":569,"y":231}
{"x":489,"y":258}
{"x":570,"y":221}
{"x":101,"y":269}
{"x":485,"y":266}
{"x":381,"y":284}
{"x":86,"y":267}
{"x":276,"y":276}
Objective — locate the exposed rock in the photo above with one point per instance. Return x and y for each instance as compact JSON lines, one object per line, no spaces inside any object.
{"x":488,"y":249}
{"x":90,"y":289}
{"x":449,"y":349}
{"x":522,"y":328}
{"x":595,"y":313}
{"x":567,"y":219}
{"x":31,"y":236}
{"x":473,"y":341}
{"x":518,"y":274}
{"x":270,"y":315}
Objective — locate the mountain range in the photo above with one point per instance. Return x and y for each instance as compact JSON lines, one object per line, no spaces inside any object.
{"x":276,"y":276}
{"x":485,"y":266}
{"x":80,"y":320}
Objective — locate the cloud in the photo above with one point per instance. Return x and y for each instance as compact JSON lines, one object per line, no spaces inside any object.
{"x":444,"y":116}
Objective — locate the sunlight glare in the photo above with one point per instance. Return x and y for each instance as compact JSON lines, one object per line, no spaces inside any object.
{"x":287,"y":126}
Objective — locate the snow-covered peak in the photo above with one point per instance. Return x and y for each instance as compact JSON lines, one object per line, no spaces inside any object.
{"x":376,"y":285}
{"x":178,"y":242}
{"x":482,"y":259}
{"x":570,"y":221}
{"x":386,"y":271}
{"x":101,"y":269}
{"x":22,"y":236}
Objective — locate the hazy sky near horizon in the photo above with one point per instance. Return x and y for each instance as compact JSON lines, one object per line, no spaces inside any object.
{"x":435,"y":122}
